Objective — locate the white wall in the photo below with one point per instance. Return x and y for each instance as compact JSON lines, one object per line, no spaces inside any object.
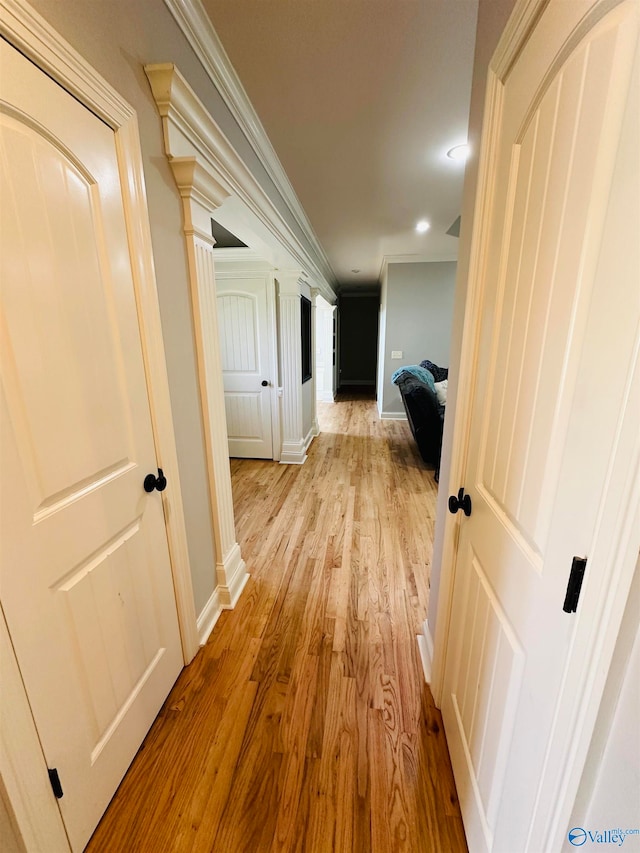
{"x":492,"y":18}
{"x":417,"y":312}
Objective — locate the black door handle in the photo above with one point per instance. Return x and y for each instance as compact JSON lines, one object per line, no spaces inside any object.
{"x":152,"y":482}
{"x":462,"y":502}
{"x":264,"y":383}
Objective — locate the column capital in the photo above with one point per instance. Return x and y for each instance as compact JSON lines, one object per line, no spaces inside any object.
{"x":289,"y":280}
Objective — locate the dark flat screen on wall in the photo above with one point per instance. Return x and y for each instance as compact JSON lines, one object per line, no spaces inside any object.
{"x":305,"y":316}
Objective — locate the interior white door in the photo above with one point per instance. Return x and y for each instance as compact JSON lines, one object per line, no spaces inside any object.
{"x":244,"y":329}
{"x":86,"y":580}
{"x":554,"y":397}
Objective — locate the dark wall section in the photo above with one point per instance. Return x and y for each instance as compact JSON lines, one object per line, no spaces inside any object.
{"x":358,"y":345}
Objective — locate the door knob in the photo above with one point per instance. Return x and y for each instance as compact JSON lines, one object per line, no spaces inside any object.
{"x":462,"y":502}
{"x":152,"y":482}
{"x":264,"y":383}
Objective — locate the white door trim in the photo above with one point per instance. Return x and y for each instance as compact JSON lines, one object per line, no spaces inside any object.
{"x":596,"y":639}
{"x":30,"y":33}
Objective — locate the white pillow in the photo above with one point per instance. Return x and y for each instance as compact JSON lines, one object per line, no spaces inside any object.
{"x":441,"y":391}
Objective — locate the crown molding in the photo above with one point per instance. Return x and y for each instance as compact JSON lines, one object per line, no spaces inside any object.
{"x":205,"y":157}
{"x":197,"y":28}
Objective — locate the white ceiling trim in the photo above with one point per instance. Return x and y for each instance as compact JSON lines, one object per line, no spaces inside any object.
{"x":193,"y":139}
{"x":196,"y":26}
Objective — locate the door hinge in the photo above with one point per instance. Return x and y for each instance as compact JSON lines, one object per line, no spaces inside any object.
{"x":54,"y":778}
{"x":574,"y":586}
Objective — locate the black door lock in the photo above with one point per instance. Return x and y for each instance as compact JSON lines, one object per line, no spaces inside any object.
{"x":152,"y":482}
{"x":462,"y":502}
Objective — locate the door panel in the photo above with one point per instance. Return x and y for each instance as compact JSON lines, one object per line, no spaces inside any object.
{"x":537,"y":462}
{"x":86,"y":581}
{"x":244,"y":328}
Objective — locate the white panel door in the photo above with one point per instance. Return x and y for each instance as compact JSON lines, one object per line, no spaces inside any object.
{"x":244,"y":328}
{"x":86,"y":580}
{"x":557,"y":352}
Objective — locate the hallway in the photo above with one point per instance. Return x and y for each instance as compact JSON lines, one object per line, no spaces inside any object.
{"x":304,"y":724}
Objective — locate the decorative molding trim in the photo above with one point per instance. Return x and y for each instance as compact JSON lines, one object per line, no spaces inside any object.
{"x":197,"y":28}
{"x":195,"y":181}
{"x":425,"y":649}
{"x":392,"y":416}
{"x":209,"y":616}
{"x":242,"y":261}
{"x":190,"y":131}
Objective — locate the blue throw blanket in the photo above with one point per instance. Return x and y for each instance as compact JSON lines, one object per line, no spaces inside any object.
{"x":420,"y":373}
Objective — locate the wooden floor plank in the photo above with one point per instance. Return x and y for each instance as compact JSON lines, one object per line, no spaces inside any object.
{"x":304,"y":725}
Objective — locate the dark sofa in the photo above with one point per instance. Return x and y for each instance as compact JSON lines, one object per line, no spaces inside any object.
{"x":424,"y":412}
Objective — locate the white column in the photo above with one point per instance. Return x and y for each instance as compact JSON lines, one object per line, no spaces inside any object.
{"x":200,"y":197}
{"x":290,"y":347}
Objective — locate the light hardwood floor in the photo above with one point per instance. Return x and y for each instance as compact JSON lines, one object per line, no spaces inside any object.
{"x":304,"y":724}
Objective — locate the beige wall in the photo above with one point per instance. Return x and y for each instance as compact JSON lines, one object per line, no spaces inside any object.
{"x":492,"y":18}
{"x":418,"y":311}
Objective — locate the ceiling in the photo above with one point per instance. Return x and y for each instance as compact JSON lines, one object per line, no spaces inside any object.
{"x":361,"y":100}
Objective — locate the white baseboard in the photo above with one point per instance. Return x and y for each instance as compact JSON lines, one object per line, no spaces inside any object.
{"x":313,"y":432}
{"x":225,"y":596}
{"x":393,"y":416}
{"x":210,"y":614}
{"x":293,"y":453}
{"x":425,"y":647}
{"x":326,"y":397}
{"x":232,"y":577}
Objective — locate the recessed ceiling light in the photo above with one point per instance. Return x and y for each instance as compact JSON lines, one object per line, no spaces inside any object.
{"x":459,"y":152}
{"x":422,"y":226}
